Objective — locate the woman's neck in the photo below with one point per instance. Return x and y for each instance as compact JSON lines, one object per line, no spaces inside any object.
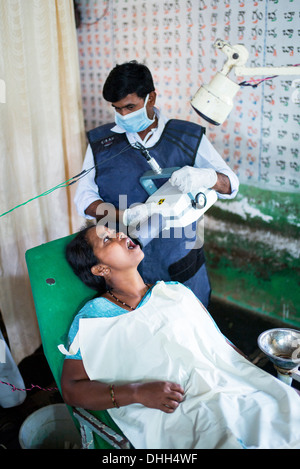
{"x":128,"y":288}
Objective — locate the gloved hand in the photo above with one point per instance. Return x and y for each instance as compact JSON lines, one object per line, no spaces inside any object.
{"x":140,"y":212}
{"x":189,"y":179}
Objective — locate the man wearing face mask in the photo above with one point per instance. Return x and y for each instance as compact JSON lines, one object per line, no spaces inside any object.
{"x":119,"y":164}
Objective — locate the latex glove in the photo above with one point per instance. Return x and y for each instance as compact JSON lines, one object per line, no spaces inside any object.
{"x":189,"y":179}
{"x":140,"y":212}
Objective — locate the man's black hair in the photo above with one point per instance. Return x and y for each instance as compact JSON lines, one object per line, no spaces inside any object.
{"x":130,"y":77}
{"x":80,"y":256}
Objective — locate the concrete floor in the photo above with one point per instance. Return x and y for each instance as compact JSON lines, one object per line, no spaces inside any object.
{"x":239,"y":326}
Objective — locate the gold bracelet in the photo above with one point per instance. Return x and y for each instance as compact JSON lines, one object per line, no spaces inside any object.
{"x":112,"y":395}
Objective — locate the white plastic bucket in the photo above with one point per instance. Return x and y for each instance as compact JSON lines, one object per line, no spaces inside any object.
{"x":50,"y":427}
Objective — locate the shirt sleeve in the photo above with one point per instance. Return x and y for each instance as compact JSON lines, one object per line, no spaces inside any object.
{"x":87,"y":190}
{"x":208,"y":157}
{"x":71,"y":336}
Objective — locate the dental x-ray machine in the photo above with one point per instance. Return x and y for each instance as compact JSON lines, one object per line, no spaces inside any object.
{"x":182,"y":209}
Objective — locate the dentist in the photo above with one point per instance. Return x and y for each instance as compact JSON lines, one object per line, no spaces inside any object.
{"x":119,"y":165}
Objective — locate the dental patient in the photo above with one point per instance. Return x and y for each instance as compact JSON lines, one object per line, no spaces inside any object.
{"x":154,"y":358}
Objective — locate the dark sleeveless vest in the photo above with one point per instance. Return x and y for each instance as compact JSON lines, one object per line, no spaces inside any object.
{"x":119,"y":167}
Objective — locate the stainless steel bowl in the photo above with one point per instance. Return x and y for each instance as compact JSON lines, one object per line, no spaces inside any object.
{"x":282,"y":346}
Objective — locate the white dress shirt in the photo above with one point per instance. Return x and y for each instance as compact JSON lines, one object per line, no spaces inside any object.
{"x":207,"y":157}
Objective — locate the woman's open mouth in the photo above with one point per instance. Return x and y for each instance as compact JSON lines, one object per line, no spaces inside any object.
{"x":130,"y":244}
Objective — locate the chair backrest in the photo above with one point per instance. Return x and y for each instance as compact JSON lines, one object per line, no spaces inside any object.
{"x":58,"y":295}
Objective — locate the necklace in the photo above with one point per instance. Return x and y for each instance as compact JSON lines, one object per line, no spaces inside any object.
{"x":123,"y":302}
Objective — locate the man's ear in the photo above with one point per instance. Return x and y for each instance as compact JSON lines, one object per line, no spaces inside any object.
{"x":152,"y":98}
{"x":100,"y":270}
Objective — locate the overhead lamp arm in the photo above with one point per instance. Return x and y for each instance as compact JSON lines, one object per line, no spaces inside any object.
{"x":264,"y":71}
{"x":238,"y":56}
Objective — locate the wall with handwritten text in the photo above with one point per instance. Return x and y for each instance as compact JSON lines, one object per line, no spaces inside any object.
{"x":260,"y":139}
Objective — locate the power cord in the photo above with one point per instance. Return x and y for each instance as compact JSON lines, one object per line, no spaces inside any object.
{"x":66,"y":183}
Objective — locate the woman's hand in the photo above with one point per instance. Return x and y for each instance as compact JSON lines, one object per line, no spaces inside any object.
{"x":162,"y":395}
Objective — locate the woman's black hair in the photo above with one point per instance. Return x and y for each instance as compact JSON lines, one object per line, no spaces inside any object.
{"x":80,"y":256}
{"x":127,"y":78}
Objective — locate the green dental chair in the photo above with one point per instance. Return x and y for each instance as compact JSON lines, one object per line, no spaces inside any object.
{"x":58,"y":295}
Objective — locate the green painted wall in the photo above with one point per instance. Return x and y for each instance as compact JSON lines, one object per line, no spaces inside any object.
{"x":252,"y":246}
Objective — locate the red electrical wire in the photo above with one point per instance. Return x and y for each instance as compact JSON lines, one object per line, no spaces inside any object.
{"x":28,"y":389}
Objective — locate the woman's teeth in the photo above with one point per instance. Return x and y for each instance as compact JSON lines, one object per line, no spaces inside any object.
{"x":130,"y":244}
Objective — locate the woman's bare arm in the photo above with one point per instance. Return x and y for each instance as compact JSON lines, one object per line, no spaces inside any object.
{"x":79,"y":391}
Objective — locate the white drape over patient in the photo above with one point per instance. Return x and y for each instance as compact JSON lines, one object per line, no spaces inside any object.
{"x":229,"y":402}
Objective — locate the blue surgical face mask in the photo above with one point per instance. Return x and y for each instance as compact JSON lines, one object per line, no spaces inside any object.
{"x":134,"y":121}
